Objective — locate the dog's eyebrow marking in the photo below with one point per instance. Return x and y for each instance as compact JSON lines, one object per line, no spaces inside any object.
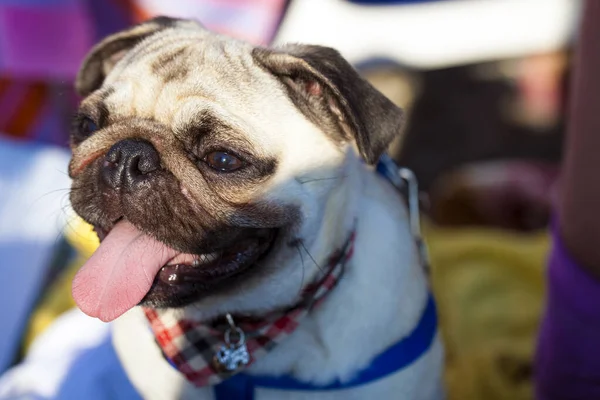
{"x":96,"y":108}
{"x":103,"y":112}
{"x":171,"y":66}
{"x":204,"y":124}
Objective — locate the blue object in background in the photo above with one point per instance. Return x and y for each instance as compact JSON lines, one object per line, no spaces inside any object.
{"x":34,"y":188}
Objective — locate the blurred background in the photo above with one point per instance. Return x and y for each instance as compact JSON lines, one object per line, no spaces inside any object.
{"x":484,"y":84}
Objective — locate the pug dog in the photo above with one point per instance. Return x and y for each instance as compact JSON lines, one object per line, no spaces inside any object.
{"x":222,"y":180}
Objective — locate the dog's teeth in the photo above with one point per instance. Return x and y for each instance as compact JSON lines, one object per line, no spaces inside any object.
{"x":205,"y":259}
{"x":212,"y":257}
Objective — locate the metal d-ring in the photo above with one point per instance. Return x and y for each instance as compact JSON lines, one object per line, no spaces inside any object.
{"x":234,"y":328}
{"x":414,"y":213}
{"x":405,"y":181}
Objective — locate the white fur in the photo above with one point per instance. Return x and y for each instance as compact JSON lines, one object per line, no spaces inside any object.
{"x":379,"y":301}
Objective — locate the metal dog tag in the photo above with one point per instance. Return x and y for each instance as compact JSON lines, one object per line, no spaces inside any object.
{"x":234,"y":354}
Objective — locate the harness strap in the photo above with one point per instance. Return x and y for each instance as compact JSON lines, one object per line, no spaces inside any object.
{"x":395,"y":358}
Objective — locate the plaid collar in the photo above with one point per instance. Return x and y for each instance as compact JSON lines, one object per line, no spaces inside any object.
{"x":207,"y":354}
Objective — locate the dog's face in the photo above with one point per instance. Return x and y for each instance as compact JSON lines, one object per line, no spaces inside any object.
{"x":198,"y":158}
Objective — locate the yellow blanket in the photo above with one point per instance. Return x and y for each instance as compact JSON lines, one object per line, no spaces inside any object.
{"x":489,"y":287}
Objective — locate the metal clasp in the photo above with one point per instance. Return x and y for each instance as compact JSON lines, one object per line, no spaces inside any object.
{"x":406,"y":183}
{"x":414,"y":213}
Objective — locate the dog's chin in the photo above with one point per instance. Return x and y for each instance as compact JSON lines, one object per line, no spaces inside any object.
{"x":189,"y":278}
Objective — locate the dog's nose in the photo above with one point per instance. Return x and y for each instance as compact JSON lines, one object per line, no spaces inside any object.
{"x":128,"y":162}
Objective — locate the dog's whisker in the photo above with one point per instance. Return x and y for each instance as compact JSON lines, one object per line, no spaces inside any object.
{"x":69,"y":224}
{"x":303,"y":269}
{"x":51,"y":192}
{"x":56,"y":190}
{"x":301,"y":243}
{"x":61,"y":171}
{"x":303,"y":181}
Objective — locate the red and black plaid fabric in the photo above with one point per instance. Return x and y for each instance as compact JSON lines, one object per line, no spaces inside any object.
{"x":191,"y":345}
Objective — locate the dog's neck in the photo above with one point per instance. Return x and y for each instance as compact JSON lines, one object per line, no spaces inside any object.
{"x":383,"y":285}
{"x":340,"y":213}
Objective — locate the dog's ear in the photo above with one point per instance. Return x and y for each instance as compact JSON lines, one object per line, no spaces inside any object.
{"x":105,"y":55}
{"x":329,"y":91}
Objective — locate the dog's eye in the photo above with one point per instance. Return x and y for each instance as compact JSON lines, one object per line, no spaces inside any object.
{"x":87,"y":127}
{"x":223,"y":161}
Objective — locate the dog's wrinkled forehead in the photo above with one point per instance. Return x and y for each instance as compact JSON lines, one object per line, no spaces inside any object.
{"x":171,"y":71}
{"x":181,"y":75}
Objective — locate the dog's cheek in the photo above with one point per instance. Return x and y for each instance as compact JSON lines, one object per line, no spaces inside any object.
{"x":267,"y":214}
{"x":88,"y":202}
{"x":246,"y":200}
{"x":164,"y":212}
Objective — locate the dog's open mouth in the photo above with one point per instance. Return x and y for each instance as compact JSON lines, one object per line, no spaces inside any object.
{"x":130,"y":267}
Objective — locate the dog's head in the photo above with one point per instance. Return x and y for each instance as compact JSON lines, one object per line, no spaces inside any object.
{"x":200,"y":160}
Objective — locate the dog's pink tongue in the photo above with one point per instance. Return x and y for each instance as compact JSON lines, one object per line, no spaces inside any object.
{"x":119,"y":273}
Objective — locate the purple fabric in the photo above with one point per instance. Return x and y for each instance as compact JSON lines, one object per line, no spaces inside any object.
{"x":52,"y":41}
{"x":568,"y":355}
{"x":42,"y":43}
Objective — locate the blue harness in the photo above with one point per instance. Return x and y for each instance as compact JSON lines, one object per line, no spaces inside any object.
{"x":395,"y":358}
